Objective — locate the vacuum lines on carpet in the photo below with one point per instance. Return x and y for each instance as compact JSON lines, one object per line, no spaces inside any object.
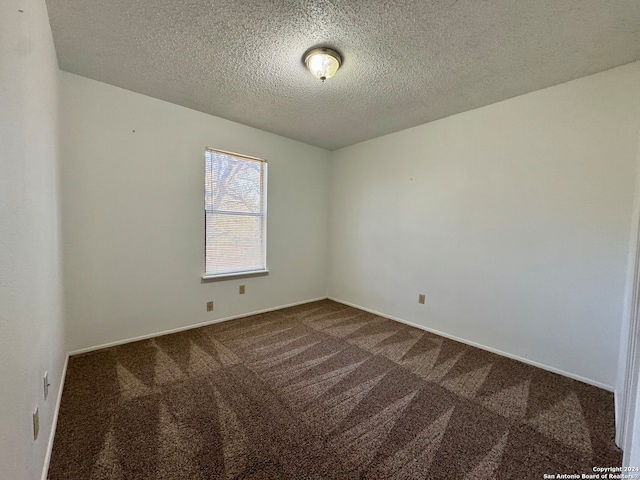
{"x":322,"y":391}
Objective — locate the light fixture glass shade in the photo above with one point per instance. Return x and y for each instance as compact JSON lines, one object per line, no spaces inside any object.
{"x":323,"y":63}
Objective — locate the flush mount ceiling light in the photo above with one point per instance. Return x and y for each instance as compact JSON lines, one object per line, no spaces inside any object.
{"x":322,"y":62}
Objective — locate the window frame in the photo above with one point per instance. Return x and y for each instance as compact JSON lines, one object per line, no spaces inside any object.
{"x":264,"y":214}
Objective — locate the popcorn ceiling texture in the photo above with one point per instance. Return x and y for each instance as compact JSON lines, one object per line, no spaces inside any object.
{"x":405,"y":62}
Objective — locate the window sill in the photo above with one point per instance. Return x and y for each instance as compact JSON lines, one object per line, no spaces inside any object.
{"x":229,"y":276}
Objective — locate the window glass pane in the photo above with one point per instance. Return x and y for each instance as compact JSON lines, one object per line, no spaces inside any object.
{"x":234,"y":243}
{"x":235,"y":184}
{"x":235,"y":214}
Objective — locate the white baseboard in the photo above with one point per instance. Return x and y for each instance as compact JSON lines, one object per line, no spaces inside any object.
{"x":189,"y":327}
{"x":54,"y":422}
{"x":483,"y":347}
{"x":47,"y":459}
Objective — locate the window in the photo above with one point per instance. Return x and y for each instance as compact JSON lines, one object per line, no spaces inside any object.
{"x":235,"y":211}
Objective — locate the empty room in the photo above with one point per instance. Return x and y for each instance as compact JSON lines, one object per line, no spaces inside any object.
{"x":319,"y":239}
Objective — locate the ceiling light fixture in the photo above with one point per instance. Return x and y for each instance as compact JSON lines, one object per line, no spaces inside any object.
{"x":322,"y":62}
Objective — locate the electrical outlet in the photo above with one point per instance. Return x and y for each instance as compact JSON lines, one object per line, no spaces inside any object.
{"x":46,"y":384}
{"x":241,"y":289}
{"x":36,"y":423}
{"x":209,"y":306}
{"x":421,"y":298}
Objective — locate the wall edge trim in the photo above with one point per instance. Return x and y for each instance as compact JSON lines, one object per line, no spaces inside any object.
{"x":54,"y":422}
{"x":189,"y":327}
{"x":483,"y":347}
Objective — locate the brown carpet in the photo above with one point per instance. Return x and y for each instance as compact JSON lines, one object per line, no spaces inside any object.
{"x":321,"y":391}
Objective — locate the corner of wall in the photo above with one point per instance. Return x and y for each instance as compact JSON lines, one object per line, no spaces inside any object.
{"x":625,"y":395}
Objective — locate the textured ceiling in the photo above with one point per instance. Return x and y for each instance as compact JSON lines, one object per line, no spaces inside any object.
{"x":405,"y":62}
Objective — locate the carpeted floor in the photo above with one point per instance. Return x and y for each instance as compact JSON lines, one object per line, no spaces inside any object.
{"x":320,"y":391}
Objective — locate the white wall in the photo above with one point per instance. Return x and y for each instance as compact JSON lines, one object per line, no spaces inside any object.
{"x":133,"y":193}
{"x":31,"y":320}
{"x":513,"y":219}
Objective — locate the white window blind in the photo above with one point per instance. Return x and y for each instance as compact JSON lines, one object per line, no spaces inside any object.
{"x":235,"y":213}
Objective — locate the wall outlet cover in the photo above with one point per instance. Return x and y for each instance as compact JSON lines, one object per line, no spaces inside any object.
{"x":421,"y":298}
{"x":241,"y":289}
{"x":209,"y":306}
